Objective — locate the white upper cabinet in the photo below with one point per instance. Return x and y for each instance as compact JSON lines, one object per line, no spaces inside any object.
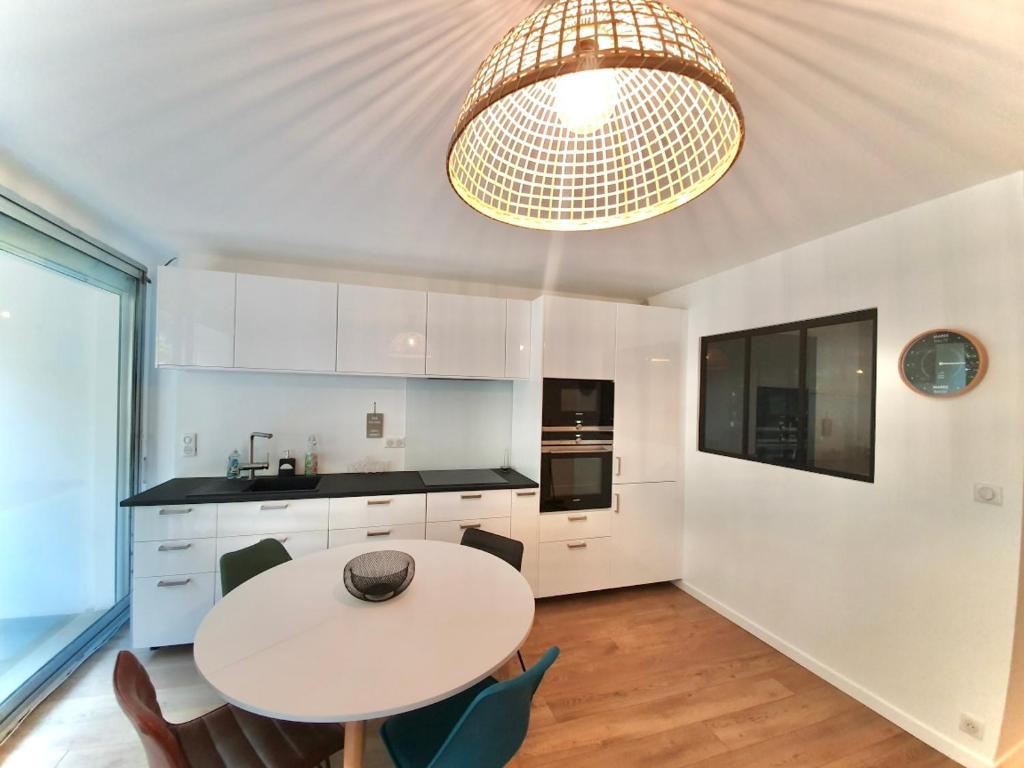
{"x":465,"y":336}
{"x":647,"y":534}
{"x":579,"y":338}
{"x":285,"y":325}
{"x":517,"y":339}
{"x":648,"y":393}
{"x":195,"y":318}
{"x":381,"y":330}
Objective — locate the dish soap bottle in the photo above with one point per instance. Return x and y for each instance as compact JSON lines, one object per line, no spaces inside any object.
{"x":286,"y":465}
{"x":234,"y":460}
{"x":311,"y":457}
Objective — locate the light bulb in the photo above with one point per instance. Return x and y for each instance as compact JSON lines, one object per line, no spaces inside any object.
{"x":586,"y":100}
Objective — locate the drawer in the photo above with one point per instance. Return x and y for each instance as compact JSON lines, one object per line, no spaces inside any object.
{"x":452,"y":530}
{"x":584,"y":524}
{"x":297,"y":544}
{"x":373,"y":511}
{"x":174,"y":556}
{"x":285,"y":516}
{"x":167,"y":610}
{"x":468,"y":505}
{"x":177,"y":521}
{"x":339,"y":538}
{"x":574,"y":566}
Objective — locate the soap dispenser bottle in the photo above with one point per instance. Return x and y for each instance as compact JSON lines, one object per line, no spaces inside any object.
{"x":234,"y":463}
{"x":312,"y":459}
{"x":286,"y":465}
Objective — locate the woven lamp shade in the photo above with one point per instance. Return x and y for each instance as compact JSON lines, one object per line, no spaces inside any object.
{"x":592,"y":114}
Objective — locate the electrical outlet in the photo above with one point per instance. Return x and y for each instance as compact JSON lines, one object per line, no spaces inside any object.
{"x":188,"y":445}
{"x":972,"y":725}
{"x":395,"y":442}
{"x":986,"y":493}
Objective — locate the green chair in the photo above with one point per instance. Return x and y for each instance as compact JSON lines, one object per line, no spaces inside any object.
{"x":239,"y":566}
{"x":482,"y":727}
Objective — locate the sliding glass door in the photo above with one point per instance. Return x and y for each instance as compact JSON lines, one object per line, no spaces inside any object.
{"x":67,"y":424}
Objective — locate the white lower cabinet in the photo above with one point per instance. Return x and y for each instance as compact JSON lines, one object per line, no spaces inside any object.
{"x":167,"y":610}
{"x":468,"y":505}
{"x":585,"y":524}
{"x":251,"y":517}
{"x":297,"y":543}
{"x":452,"y":530}
{"x":525,"y":528}
{"x":579,"y":565}
{"x":175,"y":557}
{"x":368,"y":511}
{"x":646,"y":531}
{"x":339,"y":538}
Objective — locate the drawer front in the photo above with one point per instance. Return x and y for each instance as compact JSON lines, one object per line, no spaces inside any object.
{"x":574,"y":566}
{"x":167,"y":610}
{"x":375,"y":511}
{"x":174,"y":556}
{"x":452,"y":530}
{"x":297,"y":544}
{"x":339,"y":538}
{"x":468,"y":505}
{"x":177,"y":521}
{"x":285,"y":516}
{"x":585,"y":524}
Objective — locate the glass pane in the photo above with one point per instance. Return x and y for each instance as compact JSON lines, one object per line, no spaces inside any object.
{"x":576,"y":476}
{"x":840,"y":360}
{"x":62,"y":358}
{"x":724,"y":363}
{"x":775,"y":397}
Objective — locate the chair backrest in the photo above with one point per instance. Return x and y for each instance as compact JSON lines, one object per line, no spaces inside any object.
{"x":134,"y":692}
{"x":493,"y":727}
{"x":239,"y":566}
{"x":509,"y":550}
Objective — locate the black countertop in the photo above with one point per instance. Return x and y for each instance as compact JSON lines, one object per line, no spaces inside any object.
{"x":190,"y":490}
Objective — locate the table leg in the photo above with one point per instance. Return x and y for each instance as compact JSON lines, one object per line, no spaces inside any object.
{"x":355,"y":737}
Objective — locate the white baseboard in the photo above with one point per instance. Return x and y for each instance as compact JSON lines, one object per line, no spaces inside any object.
{"x":907,"y":722}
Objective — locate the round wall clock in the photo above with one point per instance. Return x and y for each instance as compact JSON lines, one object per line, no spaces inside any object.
{"x":943,"y":363}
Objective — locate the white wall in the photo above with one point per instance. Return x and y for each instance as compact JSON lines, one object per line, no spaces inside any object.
{"x":903,"y":591}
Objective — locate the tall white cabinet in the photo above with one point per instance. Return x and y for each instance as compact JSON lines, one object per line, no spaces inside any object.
{"x":579,"y":338}
{"x":195,"y":318}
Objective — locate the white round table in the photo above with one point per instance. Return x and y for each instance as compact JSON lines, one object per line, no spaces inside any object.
{"x":292,"y":643}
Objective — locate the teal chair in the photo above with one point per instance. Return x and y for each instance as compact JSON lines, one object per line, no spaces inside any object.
{"x":482,"y":727}
{"x":239,"y":566}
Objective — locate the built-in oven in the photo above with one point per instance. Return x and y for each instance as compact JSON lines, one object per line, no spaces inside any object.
{"x":574,"y":404}
{"x":576,"y":471}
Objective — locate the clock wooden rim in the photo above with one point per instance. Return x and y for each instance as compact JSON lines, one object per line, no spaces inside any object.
{"x":982,"y":362}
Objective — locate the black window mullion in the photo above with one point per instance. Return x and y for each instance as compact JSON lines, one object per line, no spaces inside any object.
{"x":745,"y":445}
{"x":804,"y":418}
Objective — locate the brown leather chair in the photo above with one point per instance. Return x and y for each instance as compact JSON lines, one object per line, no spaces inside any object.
{"x":227,"y":737}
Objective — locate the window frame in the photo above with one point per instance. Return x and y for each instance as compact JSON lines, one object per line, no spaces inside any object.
{"x":803,"y":326}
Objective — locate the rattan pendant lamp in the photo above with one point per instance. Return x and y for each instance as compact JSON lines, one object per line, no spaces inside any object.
{"x":592,"y":114}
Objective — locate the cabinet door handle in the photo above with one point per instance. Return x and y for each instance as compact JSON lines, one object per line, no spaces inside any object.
{"x":618,"y":466}
{"x":464,"y":526}
{"x":282,"y":539}
{"x":267,"y":507}
{"x":377,"y":502}
{"x":176,"y":583}
{"x":616,"y":503}
{"x":578,"y":545}
{"x":379,"y":533}
{"x":472,"y":496}
{"x":526,"y":493}
{"x":576,"y":518}
{"x":175,"y":511}
{"x":173,"y":547}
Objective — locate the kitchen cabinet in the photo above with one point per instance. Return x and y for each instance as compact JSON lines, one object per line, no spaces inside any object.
{"x":381,"y":330}
{"x":567,"y":567}
{"x":647,"y":534}
{"x":468,"y":505}
{"x":242,"y":518}
{"x":648,"y":393}
{"x":195,"y":318}
{"x":285,"y":325}
{"x":465,"y":336}
{"x":517,"y":338}
{"x":524,"y":527}
{"x":369,"y":511}
{"x":340,"y":538}
{"x":452,"y":530}
{"x":579,"y":338}
{"x":167,"y":610}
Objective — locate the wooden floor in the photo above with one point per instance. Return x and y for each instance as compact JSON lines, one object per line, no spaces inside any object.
{"x":647,"y":677}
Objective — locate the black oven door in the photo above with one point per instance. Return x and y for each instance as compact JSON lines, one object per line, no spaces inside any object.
{"x":575,"y":477}
{"x":576,"y":403}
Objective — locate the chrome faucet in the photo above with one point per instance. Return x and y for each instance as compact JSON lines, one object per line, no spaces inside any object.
{"x":252,"y":464}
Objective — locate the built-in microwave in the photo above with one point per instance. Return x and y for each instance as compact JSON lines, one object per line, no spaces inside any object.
{"x":575,"y":474}
{"x":573,"y":404}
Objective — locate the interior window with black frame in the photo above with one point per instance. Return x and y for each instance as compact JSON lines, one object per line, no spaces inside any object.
{"x":800,"y":395}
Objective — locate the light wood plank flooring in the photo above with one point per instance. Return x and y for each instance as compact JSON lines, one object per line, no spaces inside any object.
{"x":647,"y":677}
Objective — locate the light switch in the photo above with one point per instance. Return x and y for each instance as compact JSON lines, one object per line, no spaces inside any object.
{"x":188,"y":445}
{"x":986,"y":493}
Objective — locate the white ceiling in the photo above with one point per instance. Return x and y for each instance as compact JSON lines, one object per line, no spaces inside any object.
{"x":316,"y":131}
